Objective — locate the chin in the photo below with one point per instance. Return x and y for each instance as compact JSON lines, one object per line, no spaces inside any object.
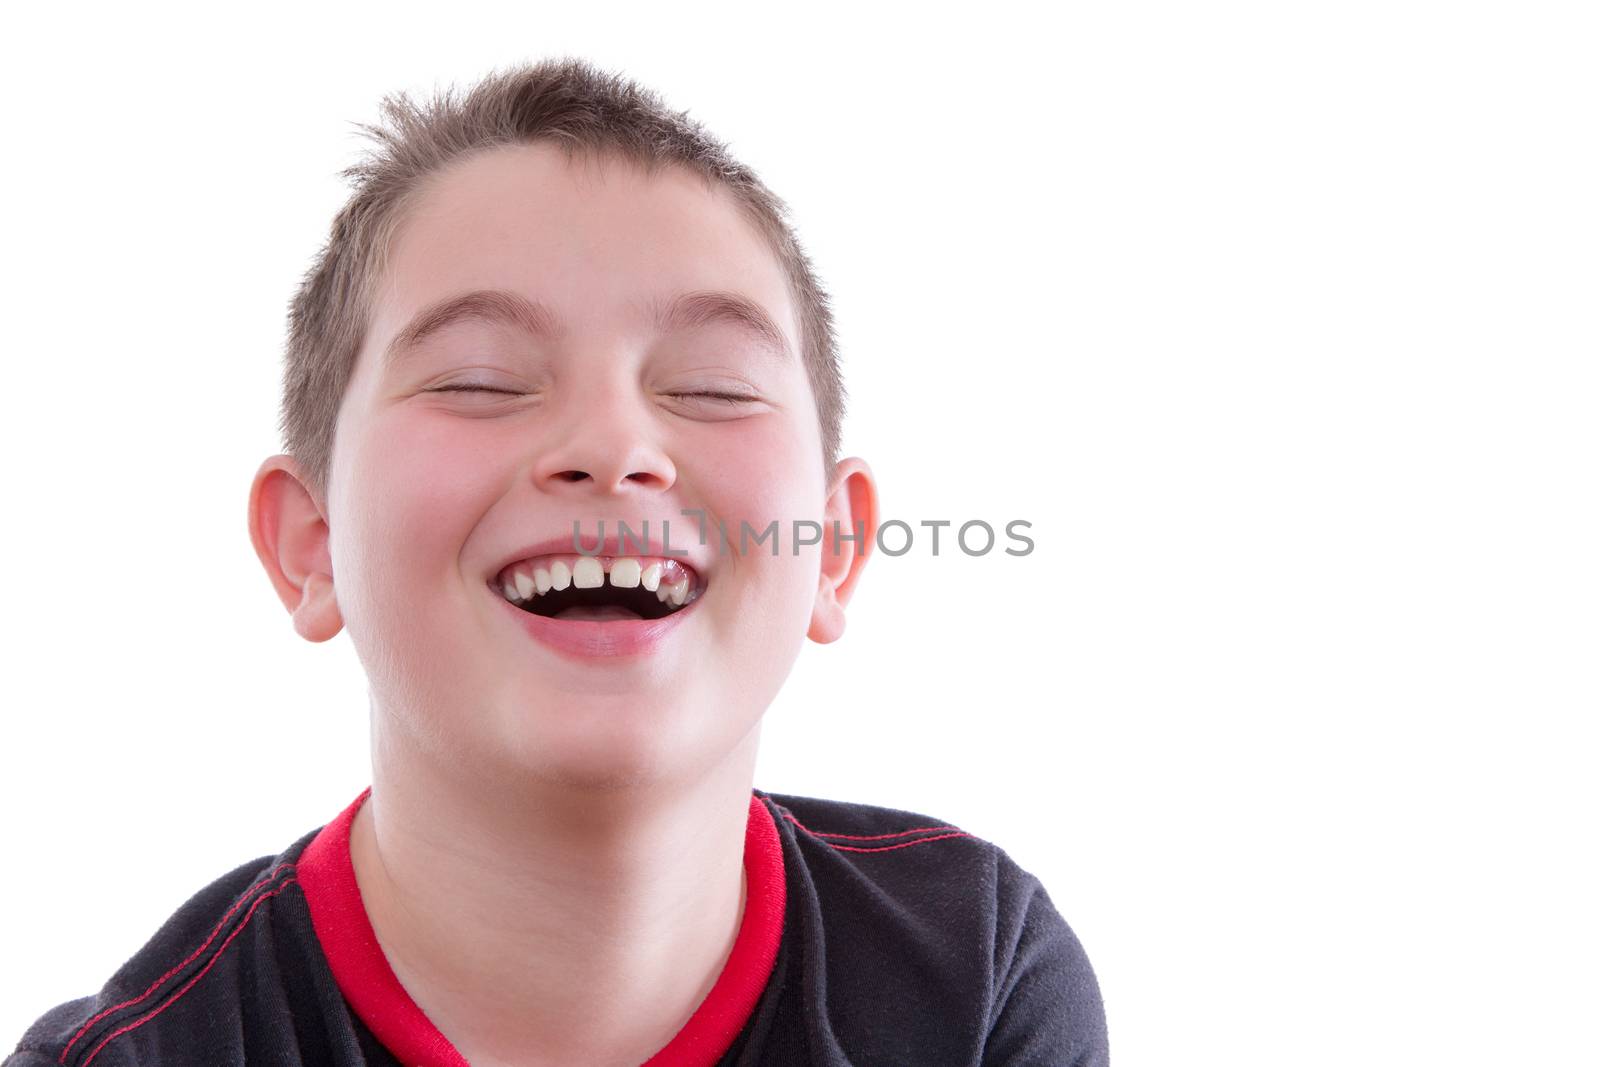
{"x":617,"y":740}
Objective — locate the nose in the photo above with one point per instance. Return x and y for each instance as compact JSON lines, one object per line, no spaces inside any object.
{"x":606,"y":448}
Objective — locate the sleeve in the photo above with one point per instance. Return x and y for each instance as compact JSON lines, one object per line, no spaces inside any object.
{"x":1047,"y":1010}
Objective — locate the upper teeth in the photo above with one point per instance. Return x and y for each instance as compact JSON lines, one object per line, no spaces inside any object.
{"x":668,"y":579}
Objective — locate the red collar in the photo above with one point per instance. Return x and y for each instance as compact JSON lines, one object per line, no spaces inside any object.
{"x":328,"y":879}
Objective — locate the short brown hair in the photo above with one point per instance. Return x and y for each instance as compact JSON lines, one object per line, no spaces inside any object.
{"x":567,"y":102}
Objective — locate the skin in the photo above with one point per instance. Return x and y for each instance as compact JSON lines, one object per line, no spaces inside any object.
{"x":552,"y":853}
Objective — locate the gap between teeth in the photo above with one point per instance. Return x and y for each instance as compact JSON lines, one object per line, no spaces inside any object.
{"x":667,"y":579}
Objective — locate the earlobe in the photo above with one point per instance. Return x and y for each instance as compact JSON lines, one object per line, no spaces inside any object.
{"x":290,"y":535}
{"x":850,"y":527}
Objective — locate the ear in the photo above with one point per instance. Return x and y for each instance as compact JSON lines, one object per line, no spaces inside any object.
{"x":290,"y":532}
{"x":852,"y":507}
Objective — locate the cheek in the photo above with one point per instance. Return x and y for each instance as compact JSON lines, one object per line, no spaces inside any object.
{"x":761,"y":470}
{"x":415,"y":489}
{"x":758,"y":475}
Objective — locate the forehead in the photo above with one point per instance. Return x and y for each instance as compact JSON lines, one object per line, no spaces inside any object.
{"x":595,"y":239}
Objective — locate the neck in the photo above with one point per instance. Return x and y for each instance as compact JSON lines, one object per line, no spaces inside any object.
{"x":534,"y":922}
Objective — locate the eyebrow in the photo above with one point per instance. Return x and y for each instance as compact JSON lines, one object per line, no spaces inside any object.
{"x":504,"y":307}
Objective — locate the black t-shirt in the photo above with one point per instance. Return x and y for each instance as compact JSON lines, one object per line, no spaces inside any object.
{"x":870,"y":936}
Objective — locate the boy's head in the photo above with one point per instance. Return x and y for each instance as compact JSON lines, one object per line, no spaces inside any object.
{"x":555,"y":302}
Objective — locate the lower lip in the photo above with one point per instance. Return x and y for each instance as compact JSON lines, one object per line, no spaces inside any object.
{"x":589,"y":640}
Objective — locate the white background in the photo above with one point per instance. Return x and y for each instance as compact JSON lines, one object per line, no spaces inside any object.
{"x":1277,"y":321}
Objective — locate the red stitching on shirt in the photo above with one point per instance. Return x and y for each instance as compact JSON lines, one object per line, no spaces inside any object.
{"x":285,"y":884}
{"x":888,"y":848}
{"x":157,"y":983}
{"x":878,"y":837}
{"x":865,"y":837}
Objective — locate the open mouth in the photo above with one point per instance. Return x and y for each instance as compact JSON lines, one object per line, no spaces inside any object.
{"x":599,"y":588}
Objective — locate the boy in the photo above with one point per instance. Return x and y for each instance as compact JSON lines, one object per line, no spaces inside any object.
{"x":559,"y":346}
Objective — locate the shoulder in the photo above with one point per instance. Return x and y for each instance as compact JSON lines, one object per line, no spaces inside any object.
{"x":921,"y":862}
{"x":174,"y":974}
{"x":923,"y":902}
{"x":910,"y":866}
{"x":886,"y":843}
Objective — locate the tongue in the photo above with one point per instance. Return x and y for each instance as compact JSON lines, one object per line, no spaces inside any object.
{"x":598,"y":613}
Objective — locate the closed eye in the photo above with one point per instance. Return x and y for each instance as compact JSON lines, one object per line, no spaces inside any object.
{"x":728,"y":398}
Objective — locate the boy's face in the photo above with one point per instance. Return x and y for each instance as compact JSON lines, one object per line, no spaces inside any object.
{"x":599,"y":414}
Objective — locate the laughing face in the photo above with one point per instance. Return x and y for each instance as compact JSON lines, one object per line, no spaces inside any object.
{"x":561,"y":344}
